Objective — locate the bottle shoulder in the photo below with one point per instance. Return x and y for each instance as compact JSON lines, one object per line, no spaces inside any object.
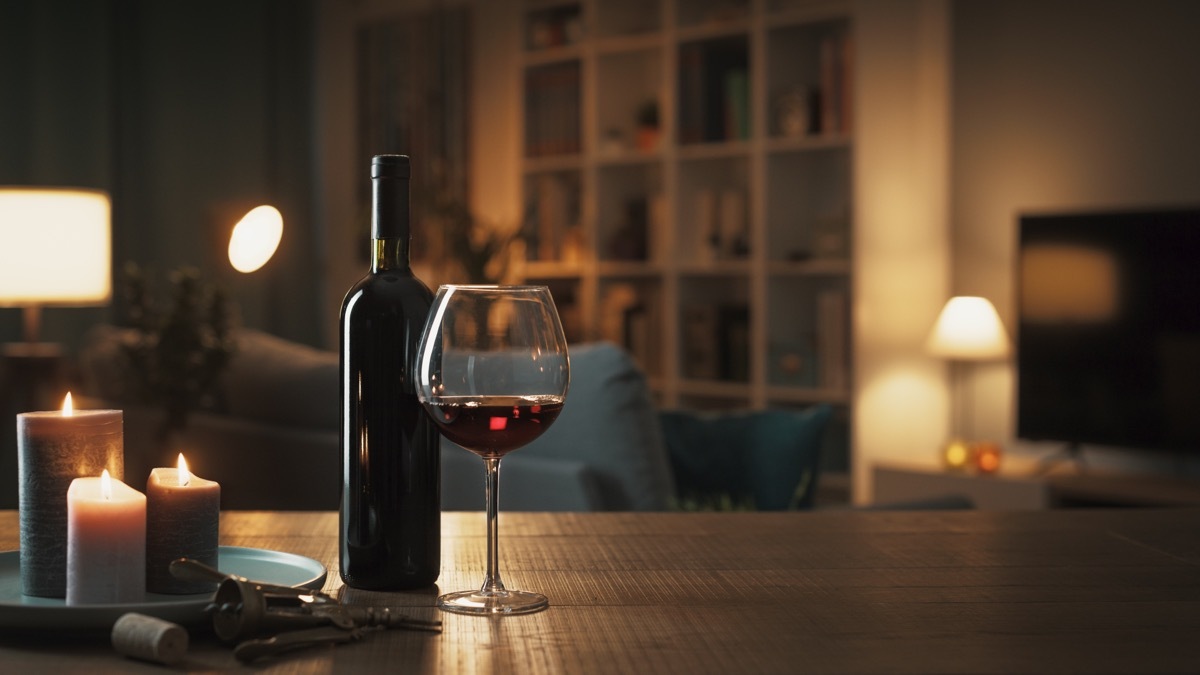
{"x":389,"y":289}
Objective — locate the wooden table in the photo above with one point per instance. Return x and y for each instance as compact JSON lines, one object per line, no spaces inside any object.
{"x":848,"y":591}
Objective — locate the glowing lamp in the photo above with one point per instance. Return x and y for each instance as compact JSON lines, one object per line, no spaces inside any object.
{"x":255,"y":238}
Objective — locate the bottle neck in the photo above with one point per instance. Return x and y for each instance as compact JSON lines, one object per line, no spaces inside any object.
{"x":389,"y":254}
{"x":390,"y":231}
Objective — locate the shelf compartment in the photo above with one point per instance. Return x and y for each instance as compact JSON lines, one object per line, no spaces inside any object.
{"x":713,"y":211}
{"x":808,"y":329}
{"x":628,"y":117}
{"x":615,"y":18}
{"x":714,"y":329}
{"x":714,"y":91}
{"x":631,"y":213}
{"x":553,"y":109}
{"x":553,"y":225}
{"x":810,"y":79}
{"x":630,"y":314}
{"x":553,"y":26}
{"x":808,"y":205}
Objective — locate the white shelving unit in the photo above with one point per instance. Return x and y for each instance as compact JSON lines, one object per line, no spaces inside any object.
{"x":719,"y":248}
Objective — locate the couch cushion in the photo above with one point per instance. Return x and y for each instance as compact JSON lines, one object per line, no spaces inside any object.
{"x":762,"y":458}
{"x":277,"y":381}
{"x":610,"y":424}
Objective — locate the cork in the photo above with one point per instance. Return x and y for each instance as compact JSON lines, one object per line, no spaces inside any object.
{"x":149,"y":639}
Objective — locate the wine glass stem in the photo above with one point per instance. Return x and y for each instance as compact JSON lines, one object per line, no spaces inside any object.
{"x":492,"y":582}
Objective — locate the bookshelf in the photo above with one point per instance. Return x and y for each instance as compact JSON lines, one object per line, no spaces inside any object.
{"x":686,"y":186}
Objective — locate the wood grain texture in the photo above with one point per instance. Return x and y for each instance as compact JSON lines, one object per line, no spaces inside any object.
{"x":1099,"y":591}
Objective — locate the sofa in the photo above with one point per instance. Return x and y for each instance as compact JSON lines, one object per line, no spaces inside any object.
{"x":270,"y":437}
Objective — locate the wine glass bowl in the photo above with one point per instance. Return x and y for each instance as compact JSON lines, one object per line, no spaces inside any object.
{"x":493,"y":374}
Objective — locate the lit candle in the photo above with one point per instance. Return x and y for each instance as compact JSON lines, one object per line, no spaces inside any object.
{"x":54,"y":448}
{"x":106,"y":542}
{"x":987,"y":457}
{"x":182,"y":522}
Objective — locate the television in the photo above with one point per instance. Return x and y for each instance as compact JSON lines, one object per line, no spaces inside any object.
{"x":1108,"y":329}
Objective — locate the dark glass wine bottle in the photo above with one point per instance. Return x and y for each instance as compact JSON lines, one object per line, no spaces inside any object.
{"x":390,"y":515}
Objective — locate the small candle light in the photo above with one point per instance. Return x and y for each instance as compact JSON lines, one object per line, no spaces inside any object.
{"x":183,"y":522}
{"x":54,"y":448}
{"x":987,"y":457}
{"x":106,"y":542}
{"x":956,"y":455}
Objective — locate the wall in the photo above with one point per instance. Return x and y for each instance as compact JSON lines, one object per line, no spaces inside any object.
{"x":493,"y":148}
{"x":1062,"y":105}
{"x":901,"y":251}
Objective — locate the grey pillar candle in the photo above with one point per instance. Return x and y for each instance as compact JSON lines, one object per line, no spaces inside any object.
{"x":53,"y":449}
{"x":182,"y":521}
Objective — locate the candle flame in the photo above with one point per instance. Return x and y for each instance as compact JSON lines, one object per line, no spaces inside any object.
{"x":68,"y":409}
{"x":183,"y":474}
{"x":105,"y":485}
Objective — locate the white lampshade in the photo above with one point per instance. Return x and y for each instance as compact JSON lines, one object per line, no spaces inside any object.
{"x":968,"y":329}
{"x":55,"y":247}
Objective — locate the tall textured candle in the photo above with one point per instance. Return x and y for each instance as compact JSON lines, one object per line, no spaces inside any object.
{"x":106,"y":542}
{"x":54,"y":448}
{"x":182,"y":522}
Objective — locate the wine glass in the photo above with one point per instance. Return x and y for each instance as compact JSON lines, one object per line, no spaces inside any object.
{"x":492,"y":372}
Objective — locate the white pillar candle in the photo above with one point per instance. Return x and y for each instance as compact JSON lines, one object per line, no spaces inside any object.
{"x":182,"y":522}
{"x":54,"y":448}
{"x":106,"y":542}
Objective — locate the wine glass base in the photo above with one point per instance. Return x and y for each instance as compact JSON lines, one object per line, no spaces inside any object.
{"x":493,"y":602}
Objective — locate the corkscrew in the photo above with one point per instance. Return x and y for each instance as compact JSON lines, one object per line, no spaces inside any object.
{"x":266,"y":619}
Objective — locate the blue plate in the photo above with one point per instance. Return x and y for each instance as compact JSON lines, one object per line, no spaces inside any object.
{"x":23,"y":612}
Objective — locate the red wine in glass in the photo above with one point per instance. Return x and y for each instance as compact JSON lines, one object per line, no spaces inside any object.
{"x":493,"y":426}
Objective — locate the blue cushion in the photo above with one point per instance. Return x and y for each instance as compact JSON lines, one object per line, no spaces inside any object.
{"x":767,"y":459}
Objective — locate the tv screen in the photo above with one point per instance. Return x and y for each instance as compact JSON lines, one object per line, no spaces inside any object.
{"x":1108,"y":329}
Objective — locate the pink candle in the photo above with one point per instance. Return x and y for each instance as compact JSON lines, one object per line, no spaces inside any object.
{"x":106,"y":542}
{"x":182,"y":522}
{"x":54,"y":448}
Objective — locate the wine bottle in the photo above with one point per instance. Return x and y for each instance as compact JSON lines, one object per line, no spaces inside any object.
{"x":390,"y":514}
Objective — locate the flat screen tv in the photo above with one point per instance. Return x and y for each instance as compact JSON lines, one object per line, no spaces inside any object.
{"x":1108,"y":329}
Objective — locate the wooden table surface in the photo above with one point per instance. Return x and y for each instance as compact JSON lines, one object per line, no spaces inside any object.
{"x":843,"y":591}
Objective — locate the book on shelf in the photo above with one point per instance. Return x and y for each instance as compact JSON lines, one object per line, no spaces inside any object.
{"x":734,"y":342}
{"x":714,"y":91}
{"x":832,"y":326}
{"x":552,"y":109}
{"x":716,"y":342}
{"x":701,"y":360}
{"x":835,"y":83}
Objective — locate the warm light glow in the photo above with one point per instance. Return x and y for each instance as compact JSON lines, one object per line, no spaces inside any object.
{"x":497,"y":423}
{"x":68,"y":409}
{"x":105,"y":485}
{"x":184,"y":476}
{"x":957,"y":454}
{"x":968,"y":329}
{"x":987,"y":457}
{"x":255,"y":238}
{"x":1074,"y":283}
{"x":57,"y":247}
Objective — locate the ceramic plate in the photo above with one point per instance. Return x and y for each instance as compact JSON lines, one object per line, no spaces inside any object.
{"x":22,"y":612}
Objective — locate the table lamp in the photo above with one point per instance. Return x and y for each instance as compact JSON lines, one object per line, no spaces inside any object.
{"x":967,"y":330}
{"x":57,"y":250}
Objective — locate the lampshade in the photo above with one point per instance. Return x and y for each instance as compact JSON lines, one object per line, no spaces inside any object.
{"x":968,"y":329}
{"x":55,"y":249}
